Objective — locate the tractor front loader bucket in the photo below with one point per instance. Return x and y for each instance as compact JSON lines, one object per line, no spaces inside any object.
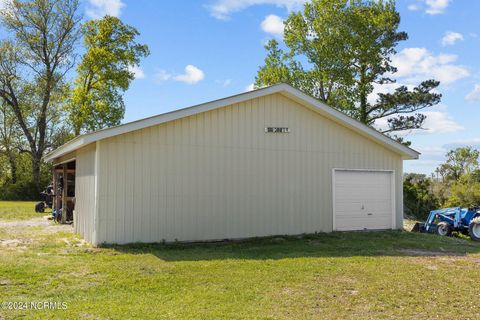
{"x":419,"y":227}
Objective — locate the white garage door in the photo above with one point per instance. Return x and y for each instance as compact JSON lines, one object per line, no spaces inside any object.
{"x":363,"y":200}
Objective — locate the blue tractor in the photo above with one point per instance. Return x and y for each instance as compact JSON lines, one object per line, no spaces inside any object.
{"x":444,"y":221}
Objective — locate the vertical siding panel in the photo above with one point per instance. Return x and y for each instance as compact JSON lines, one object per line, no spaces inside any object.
{"x":113,"y":182}
{"x":101,"y":193}
{"x":177,"y":156}
{"x":161,"y":182}
{"x":84,"y":191}
{"x":146,"y":175}
{"x":169,"y":173}
{"x":105,"y":187}
{"x":120,"y":231}
{"x":130,"y":164}
{"x":139,"y":213}
{"x":154,"y":185}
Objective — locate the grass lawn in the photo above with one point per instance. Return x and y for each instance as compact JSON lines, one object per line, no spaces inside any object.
{"x":377,"y":275}
{"x":19,"y":210}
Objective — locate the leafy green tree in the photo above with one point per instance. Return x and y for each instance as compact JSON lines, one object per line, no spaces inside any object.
{"x":104,"y":74}
{"x":278,"y":67}
{"x":10,"y":136}
{"x":23,"y":189}
{"x":465,"y":192}
{"x":33,"y":63}
{"x":347,"y":47}
{"x":418,"y":195}
{"x":460,"y":161}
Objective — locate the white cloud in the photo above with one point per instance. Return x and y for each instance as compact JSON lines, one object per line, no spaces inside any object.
{"x":100,"y":8}
{"x":436,"y":6}
{"x":250,"y":87}
{"x":432,"y":151}
{"x":224,"y":83}
{"x":431,"y":7}
{"x":162,"y":75}
{"x":474,"y":95}
{"x":464,"y":142}
{"x":221,"y":9}
{"x":440,"y":122}
{"x":430,"y":158}
{"x":192,"y":75}
{"x":451,"y":37}
{"x":421,"y":166}
{"x":273,"y":24}
{"x":413,"y":7}
{"x":417,"y":64}
{"x":137,"y":72}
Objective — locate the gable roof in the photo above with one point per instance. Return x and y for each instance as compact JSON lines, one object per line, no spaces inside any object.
{"x":282,"y":88}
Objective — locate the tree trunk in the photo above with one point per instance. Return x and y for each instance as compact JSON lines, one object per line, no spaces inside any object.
{"x":36,"y":165}
{"x":13,"y":166}
{"x":363,"y":95}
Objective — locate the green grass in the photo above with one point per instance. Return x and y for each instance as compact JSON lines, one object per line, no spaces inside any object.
{"x":375,"y":275}
{"x":19,"y":210}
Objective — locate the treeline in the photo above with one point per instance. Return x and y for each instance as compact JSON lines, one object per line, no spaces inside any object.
{"x":48,"y":92}
{"x":455,"y":183}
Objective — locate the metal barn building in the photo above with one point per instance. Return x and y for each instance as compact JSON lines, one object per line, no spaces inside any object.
{"x":273,"y":161}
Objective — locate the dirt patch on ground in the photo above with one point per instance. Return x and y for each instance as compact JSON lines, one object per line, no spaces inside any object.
{"x":36,"y":222}
{"x":430,"y":253}
{"x":48,"y":225}
{"x":17,"y":235}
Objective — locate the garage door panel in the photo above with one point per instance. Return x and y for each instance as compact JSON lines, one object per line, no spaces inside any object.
{"x":374,"y":217}
{"x":348,"y":207}
{"x":382,"y":190}
{"x":383,"y":206}
{"x":363,"y":200}
{"x":357,"y":203}
{"x":362,"y":177}
{"x":362,"y":224}
{"x":361,"y":195}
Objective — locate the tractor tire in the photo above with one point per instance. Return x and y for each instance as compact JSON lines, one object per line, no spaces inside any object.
{"x":444,"y":229}
{"x":40,"y":207}
{"x":474,"y":229}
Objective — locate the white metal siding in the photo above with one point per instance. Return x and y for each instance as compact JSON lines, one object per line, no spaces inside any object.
{"x":363,"y":200}
{"x":218,"y":175}
{"x":85,"y":192}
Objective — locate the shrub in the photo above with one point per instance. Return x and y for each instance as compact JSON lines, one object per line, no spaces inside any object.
{"x":418,"y":197}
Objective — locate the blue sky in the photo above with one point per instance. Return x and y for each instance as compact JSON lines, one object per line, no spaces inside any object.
{"x":205,"y":50}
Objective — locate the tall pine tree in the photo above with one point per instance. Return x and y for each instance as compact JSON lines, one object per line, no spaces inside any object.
{"x":346,"y":48}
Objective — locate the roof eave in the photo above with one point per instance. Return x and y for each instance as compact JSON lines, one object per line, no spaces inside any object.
{"x":68,"y":147}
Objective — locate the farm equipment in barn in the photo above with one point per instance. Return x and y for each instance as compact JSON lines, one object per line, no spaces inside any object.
{"x":47,"y":201}
{"x":445,"y":221}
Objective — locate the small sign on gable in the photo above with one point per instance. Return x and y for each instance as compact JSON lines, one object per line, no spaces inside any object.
{"x":277,"y":130}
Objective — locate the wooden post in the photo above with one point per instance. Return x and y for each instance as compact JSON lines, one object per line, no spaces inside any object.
{"x":54,"y":185}
{"x":64,"y":194}
{"x":56,"y":198}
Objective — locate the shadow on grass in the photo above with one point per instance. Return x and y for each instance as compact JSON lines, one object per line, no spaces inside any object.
{"x":336,"y":244}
